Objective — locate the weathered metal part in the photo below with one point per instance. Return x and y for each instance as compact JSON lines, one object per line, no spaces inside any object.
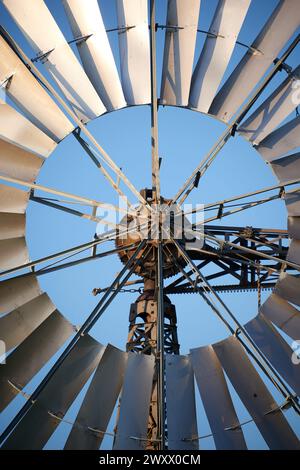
{"x":216,"y":399}
{"x":32,"y":354}
{"x":179,"y":50}
{"x":281,"y":25}
{"x":282,"y":314}
{"x":97,"y":58}
{"x":134,"y":46}
{"x":254,"y":394}
{"x":216,"y":53}
{"x":93,"y":417}
{"x":46,"y":38}
{"x":42,"y":419}
{"x":181,"y":406}
{"x":16,"y":325}
{"x":135,"y":403}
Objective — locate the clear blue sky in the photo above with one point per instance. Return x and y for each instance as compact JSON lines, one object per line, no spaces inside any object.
{"x":184,"y":138}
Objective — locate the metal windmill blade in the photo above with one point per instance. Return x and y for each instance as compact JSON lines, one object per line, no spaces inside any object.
{"x":150,"y":388}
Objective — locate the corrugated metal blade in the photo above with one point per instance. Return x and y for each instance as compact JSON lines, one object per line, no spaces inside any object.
{"x":293,"y":254}
{"x":21,"y":322}
{"x":13,"y":253}
{"x":29,"y":96}
{"x":86,"y":21}
{"x":11,"y":225}
{"x":37,"y":426}
{"x":294,"y":227}
{"x":218,"y":405}
{"x":17,"y":130}
{"x":292,"y":202}
{"x":257,"y":399}
{"x":42,"y":32}
{"x":135,"y":403}
{"x":134,"y":45}
{"x":275,"y":349}
{"x":288,"y":287}
{"x":32,"y":354}
{"x":282,"y":314}
{"x":181,"y":407}
{"x":281,"y":141}
{"x":18,"y":163}
{"x":99,"y":401}
{"x":13,"y":200}
{"x":179,"y":51}
{"x":216,"y":53}
{"x":280,"y":26}
{"x":287,"y":168}
{"x":272,"y":111}
{"x":16,"y":292}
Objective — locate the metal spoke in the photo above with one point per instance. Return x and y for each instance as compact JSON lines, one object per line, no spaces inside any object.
{"x":82,"y":215}
{"x":80,"y":125}
{"x":109,"y":236}
{"x":154,"y":106}
{"x":244,"y":207}
{"x":85,"y":201}
{"x":160,"y":347}
{"x":199,"y":171}
{"x":54,"y":267}
{"x":100,"y":167}
{"x":97,"y":312}
{"x":223,"y":202}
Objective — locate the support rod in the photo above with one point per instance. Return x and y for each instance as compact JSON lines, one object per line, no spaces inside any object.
{"x":107,"y":237}
{"x":54,"y":267}
{"x":105,"y":301}
{"x":85,"y":201}
{"x":68,"y":210}
{"x":160,"y":348}
{"x":154,"y":111}
{"x":100,"y":167}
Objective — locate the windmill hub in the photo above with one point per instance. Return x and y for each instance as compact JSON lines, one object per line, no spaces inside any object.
{"x":146,"y":225}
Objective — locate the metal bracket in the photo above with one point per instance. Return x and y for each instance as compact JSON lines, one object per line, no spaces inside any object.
{"x":6,"y":83}
{"x":80,"y":39}
{"x":121,"y":30}
{"x":168,"y":27}
{"x":220,"y":211}
{"x":287,"y":68}
{"x":42,"y":56}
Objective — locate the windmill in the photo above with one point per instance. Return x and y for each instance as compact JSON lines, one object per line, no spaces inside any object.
{"x":153,"y":382}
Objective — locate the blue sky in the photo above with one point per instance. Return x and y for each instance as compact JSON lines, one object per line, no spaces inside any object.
{"x":184,"y":138}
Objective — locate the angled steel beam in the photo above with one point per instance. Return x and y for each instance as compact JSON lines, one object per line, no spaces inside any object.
{"x":85,"y":201}
{"x":76,"y":249}
{"x":160,"y":349}
{"x":280,"y":186}
{"x":100,"y":167}
{"x":154,"y":106}
{"x":54,"y":267}
{"x":68,"y":210}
